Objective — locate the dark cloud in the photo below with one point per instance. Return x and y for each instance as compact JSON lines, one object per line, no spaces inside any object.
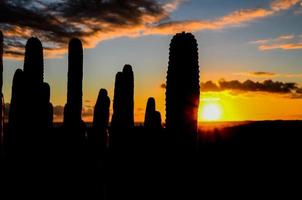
{"x":263,"y":73}
{"x":251,"y":86}
{"x":55,"y":22}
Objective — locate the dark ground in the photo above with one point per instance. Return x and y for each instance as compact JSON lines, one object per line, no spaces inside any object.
{"x":250,"y":160}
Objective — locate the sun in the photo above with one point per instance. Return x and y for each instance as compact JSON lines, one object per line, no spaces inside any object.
{"x":210,"y":112}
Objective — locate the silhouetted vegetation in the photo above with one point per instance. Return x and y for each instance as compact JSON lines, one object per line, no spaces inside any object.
{"x":73,"y":107}
{"x":1,"y":94}
{"x":139,"y":162}
{"x":123,"y":101}
{"x":99,"y":134}
{"x":182,"y":88}
{"x":152,"y":117}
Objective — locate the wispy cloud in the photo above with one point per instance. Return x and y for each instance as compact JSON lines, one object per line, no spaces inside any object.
{"x":257,"y":74}
{"x":55,"y":22}
{"x":284,"y":42}
{"x":278,"y":5}
{"x":262,"y":74}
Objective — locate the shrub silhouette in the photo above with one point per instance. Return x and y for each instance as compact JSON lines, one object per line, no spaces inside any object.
{"x":1,"y":94}
{"x":101,"y":119}
{"x":182,"y":92}
{"x":123,"y":102}
{"x":73,"y":107}
{"x":152,"y":117}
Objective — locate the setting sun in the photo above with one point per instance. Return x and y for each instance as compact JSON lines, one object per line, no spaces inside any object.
{"x":210,"y":112}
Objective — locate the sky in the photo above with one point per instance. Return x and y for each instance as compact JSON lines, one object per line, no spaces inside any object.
{"x":239,"y":40}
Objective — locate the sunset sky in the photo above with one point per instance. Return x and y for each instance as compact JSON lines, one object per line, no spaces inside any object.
{"x":238,"y":40}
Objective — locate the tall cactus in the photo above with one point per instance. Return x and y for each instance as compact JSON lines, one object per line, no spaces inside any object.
{"x":152,"y":117}
{"x":128,"y":96}
{"x":28,"y":88}
{"x":33,"y":61}
{"x":101,"y":119}
{"x":182,"y":93}
{"x":123,"y":102}
{"x":47,"y":114}
{"x":1,"y":95}
{"x":17,"y":106}
{"x":73,"y":107}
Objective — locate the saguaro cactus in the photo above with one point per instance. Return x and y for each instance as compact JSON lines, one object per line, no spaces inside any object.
{"x":17,"y":106}
{"x":1,"y":95}
{"x":152,"y":117}
{"x":128,"y":96}
{"x":101,"y":118}
{"x":33,"y":62}
{"x":123,"y":102}
{"x":47,"y":114}
{"x":73,"y":107}
{"x":182,"y":92}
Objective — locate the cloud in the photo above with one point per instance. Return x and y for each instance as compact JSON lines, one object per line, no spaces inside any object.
{"x":283,"y":42}
{"x":262,"y":74}
{"x":278,"y":5}
{"x":268,"y":86}
{"x":233,"y":19}
{"x":55,"y":22}
{"x":258,"y":74}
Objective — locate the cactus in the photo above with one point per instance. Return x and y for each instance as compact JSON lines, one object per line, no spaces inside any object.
{"x":117,"y":101}
{"x":123,"y":102}
{"x":182,"y":92}
{"x":17,"y":106}
{"x":73,"y":107}
{"x":101,"y":111}
{"x":129,"y":96}
{"x":101,"y":118}
{"x":33,"y":62}
{"x":47,"y":114}
{"x":152,"y":117}
{"x":1,"y":95}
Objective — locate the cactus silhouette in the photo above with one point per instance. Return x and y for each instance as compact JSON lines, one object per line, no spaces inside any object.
{"x":73,"y":107}
{"x":123,"y":102}
{"x":47,"y":115}
{"x":182,"y":91}
{"x":28,"y":88}
{"x":152,"y":117}
{"x":17,"y":107}
{"x":1,"y":95}
{"x":101,"y":119}
{"x":33,"y":62}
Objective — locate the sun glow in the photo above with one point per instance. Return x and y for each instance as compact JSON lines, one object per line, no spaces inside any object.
{"x":210,"y":111}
